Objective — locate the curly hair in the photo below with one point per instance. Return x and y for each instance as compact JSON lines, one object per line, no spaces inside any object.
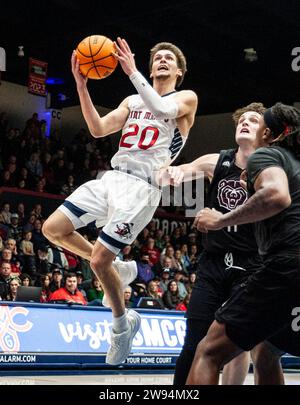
{"x":289,"y":117}
{"x":257,"y":107}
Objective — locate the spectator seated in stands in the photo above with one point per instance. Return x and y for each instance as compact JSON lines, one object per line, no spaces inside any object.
{"x":68,"y":187}
{"x":80,"y":285}
{"x":152,"y":251}
{"x":190,"y":282}
{"x":152,"y":291}
{"x":26,"y":280}
{"x":45,"y":284}
{"x":95,"y":293}
{"x":5,"y":214}
{"x":56,"y":255}
{"x":43,"y":266}
{"x":144,"y":268}
{"x":5,"y":276}
{"x":185,"y":257}
{"x":38,"y":238}
{"x":193,"y":256}
{"x":165,"y":279}
{"x":128,"y":297}
{"x":159,"y":242}
{"x":29,"y":224}
{"x":6,"y":257}
{"x":13,"y":285}
{"x":6,"y":180}
{"x":166,"y":264}
{"x":139,"y":290}
{"x":14,"y":229}
{"x":11,"y":244}
{"x":3,"y":230}
{"x":57,"y":278}
{"x":27,"y":255}
{"x":169,"y":253}
{"x":21,"y":214}
{"x":179,"y":262}
{"x":171,"y":297}
{"x":182,"y":306}
{"x":34,"y":166}
{"x":69,"y":294}
{"x":178,"y":238}
{"x":37,"y":211}
{"x":179,"y":277}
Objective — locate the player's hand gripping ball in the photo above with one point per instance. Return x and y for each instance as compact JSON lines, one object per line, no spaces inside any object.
{"x":96,"y":57}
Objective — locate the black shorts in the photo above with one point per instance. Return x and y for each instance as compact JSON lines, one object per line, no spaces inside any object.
{"x":261,"y":307}
{"x":218,"y":276}
{"x":288,"y":339}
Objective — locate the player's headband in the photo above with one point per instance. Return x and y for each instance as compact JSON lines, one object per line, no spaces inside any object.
{"x":275,"y":126}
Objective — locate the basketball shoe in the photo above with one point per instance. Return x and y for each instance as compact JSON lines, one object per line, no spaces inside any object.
{"x":121,"y":343}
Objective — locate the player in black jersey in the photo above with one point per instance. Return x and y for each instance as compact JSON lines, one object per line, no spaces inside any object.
{"x":261,"y":308}
{"x":230,"y":255}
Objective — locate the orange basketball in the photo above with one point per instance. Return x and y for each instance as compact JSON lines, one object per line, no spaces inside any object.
{"x":96,"y":59}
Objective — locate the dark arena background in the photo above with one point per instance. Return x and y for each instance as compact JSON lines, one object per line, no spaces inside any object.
{"x":237,"y":52}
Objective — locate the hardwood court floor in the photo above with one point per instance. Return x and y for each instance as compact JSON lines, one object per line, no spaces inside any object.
{"x":292,"y":378}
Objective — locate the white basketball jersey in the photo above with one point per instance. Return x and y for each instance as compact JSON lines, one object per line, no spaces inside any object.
{"x":147,"y":144}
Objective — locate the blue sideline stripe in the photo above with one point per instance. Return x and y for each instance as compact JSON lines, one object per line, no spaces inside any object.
{"x":75,"y":210}
{"x":111,"y":241}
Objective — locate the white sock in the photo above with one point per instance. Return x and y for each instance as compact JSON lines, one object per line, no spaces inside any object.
{"x":120,"y":324}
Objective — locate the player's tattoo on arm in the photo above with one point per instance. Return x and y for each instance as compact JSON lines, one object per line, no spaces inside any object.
{"x":259,"y":207}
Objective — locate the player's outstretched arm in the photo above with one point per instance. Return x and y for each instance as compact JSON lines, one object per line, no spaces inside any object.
{"x":98,"y":126}
{"x":204,"y":166}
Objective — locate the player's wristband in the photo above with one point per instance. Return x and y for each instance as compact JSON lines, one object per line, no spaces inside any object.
{"x":159,"y":106}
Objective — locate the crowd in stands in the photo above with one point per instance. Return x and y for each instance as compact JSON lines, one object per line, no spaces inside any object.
{"x":30,"y":161}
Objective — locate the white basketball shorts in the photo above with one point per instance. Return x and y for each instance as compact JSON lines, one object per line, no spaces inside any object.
{"x":122,"y":203}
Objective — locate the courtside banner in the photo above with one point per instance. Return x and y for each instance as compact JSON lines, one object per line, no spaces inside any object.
{"x":35,"y":334}
{"x":37,"y":77}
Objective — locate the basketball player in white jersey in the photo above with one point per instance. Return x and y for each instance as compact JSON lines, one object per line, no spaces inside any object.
{"x":155,"y":124}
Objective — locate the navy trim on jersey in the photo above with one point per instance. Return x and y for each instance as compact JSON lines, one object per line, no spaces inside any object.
{"x":171,"y":92}
{"x":75,"y":210}
{"x":111,"y":241}
{"x":176,"y":144}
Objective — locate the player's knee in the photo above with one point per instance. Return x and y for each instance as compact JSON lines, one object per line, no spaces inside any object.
{"x":206,"y":348}
{"x":209,"y":350}
{"x":95,"y":263}
{"x":47,"y":229}
{"x":99,"y":263}
{"x":51,"y":231}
